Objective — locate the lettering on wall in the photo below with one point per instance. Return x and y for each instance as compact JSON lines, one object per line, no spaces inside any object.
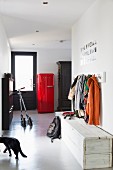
{"x":88,"y":53}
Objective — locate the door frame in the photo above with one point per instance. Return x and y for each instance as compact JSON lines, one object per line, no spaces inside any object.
{"x":34,"y":54}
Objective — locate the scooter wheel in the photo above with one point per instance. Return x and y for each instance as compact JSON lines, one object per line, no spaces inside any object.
{"x":30,"y":121}
{"x":51,"y":140}
{"x":23,"y":122}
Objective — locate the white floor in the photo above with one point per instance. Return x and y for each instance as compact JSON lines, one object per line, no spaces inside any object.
{"x":42,"y":154}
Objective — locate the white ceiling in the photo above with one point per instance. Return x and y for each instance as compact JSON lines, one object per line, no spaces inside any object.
{"x":21,"y":19}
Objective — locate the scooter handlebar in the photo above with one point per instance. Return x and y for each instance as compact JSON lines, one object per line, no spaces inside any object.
{"x":22,"y":88}
{"x":16,"y":91}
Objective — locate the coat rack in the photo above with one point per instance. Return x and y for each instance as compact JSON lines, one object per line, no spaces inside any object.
{"x":101,"y":77}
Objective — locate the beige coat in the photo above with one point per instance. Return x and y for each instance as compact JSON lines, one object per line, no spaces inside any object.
{"x":71,"y":93}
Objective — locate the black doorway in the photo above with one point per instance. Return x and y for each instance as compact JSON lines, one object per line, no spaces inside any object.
{"x":21,"y":64}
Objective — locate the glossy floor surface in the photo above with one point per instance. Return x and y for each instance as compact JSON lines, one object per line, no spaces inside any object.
{"x":41,"y":153}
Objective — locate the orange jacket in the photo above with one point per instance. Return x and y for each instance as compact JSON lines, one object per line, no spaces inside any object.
{"x":93,"y":102}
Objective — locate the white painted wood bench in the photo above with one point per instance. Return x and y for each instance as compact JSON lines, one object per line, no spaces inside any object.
{"x":90,"y":145}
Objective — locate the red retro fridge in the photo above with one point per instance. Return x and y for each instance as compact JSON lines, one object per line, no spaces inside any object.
{"x":45,"y":92}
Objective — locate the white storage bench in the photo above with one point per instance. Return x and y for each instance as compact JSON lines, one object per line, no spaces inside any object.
{"x":90,"y":145}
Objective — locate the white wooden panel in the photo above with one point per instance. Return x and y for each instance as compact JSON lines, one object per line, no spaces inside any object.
{"x":98,"y":161}
{"x":73,"y":135}
{"x":74,"y":149}
{"x":75,"y":139}
{"x":88,"y":131}
{"x":97,"y":146}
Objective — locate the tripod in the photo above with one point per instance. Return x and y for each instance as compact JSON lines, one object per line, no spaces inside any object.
{"x":23,"y":120}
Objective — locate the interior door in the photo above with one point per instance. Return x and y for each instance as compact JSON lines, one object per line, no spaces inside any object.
{"x":23,"y":68}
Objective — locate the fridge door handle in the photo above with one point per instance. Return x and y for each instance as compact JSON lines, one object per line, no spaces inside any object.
{"x":50,"y":86}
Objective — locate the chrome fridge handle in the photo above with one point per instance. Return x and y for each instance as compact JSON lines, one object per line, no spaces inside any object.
{"x":50,"y":86}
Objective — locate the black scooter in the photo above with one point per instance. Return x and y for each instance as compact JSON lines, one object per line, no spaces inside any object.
{"x":23,"y":120}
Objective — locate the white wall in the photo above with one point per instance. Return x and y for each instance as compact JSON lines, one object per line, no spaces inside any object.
{"x":97,"y":24}
{"x":46,"y":63}
{"x":4,"y":63}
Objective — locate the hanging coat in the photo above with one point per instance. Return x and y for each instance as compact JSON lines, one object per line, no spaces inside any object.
{"x":72,"y":89}
{"x":71,"y":93}
{"x":79,"y":96}
{"x":93,"y":101}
